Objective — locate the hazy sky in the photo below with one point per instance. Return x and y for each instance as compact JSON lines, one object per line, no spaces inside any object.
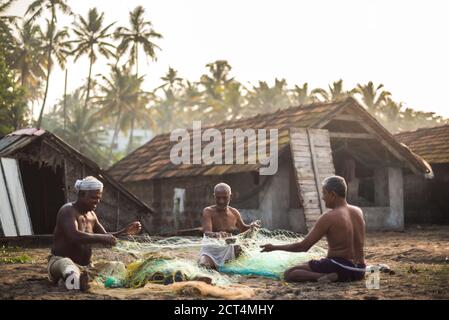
{"x":402,"y":44}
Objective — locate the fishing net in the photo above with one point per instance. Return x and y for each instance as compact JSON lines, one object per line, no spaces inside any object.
{"x":269,"y":264}
{"x":175,"y":259}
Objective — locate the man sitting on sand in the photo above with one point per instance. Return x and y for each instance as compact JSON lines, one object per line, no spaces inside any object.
{"x":77,"y":228}
{"x":344,"y":228}
{"x":222,"y":221}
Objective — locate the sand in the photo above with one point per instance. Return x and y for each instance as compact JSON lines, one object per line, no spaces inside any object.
{"x":417,"y":256}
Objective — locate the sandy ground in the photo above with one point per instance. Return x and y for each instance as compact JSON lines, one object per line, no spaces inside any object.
{"x":418,"y":258}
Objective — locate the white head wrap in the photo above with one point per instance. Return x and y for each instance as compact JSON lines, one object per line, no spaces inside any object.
{"x":89,"y":183}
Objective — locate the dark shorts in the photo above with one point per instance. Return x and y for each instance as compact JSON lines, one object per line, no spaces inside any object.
{"x":325,"y":265}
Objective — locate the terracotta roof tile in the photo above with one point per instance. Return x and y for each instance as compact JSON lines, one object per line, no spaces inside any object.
{"x":430,"y":143}
{"x":152,"y":160}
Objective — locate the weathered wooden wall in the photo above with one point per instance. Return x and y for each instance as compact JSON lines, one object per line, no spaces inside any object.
{"x":273,"y":199}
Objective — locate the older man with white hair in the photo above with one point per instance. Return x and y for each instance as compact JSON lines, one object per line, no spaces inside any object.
{"x":77,"y":228}
{"x":221,"y":221}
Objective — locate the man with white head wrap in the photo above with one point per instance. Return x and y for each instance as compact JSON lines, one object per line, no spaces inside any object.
{"x":77,"y":229}
{"x":221,"y":221}
{"x":88,"y":183}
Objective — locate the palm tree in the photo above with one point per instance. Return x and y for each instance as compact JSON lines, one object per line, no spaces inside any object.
{"x":335,"y":92}
{"x":372,"y":97}
{"x":234,"y":100}
{"x":91,"y":41}
{"x":190,"y":98}
{"x":171,"y":78}
{"x":84,"y":123}
{"x":6,"y":32}
{"x":29,"y":59}
{"x":12,"y":102}
{"x":36,"y":9}
{"x":301,"y":95}
{"x":92,"y":142}
{"x":264,"y":98}
{"x":214,"y":84}
{"x":141,"y":33}
{"x":139,"y":116}
{"x":56,"y":43}
{"x":5,"y":20}
{"x":390,"y":115}
{"x":119,"y":96}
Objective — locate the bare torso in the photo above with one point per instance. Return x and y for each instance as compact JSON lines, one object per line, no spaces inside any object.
{"x":224,"y":221}
{"x":63,"y":245}
{"x":346,"y":233}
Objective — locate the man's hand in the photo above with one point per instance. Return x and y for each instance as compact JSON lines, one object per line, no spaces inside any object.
{"x":255,"y":224}
{"x":223,"y":234}
{"x":268,"y":247}
{"x":133,"y":229}
{"x":109,"y":239}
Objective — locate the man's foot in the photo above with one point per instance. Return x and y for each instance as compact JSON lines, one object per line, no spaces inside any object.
{"x":84,"y":281}
{"x":331,"y":277}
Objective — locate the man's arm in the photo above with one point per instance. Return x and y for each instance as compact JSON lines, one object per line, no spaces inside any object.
{"x":242,"y":226}
{"x":131,"y":229}
{"x":69,"y":225}
{"x":318,"y":231}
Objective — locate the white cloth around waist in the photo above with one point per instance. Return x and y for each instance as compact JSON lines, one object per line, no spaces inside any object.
{"x":219,"y":253}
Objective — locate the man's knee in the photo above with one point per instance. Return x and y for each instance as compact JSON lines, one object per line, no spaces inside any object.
{"x":61,"y":268}
{"x":291,"y":275}
{"x":289,"y":272}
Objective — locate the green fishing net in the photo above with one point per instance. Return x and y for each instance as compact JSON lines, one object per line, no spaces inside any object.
{"x":269,"y":264}
{"x":168,"y":260}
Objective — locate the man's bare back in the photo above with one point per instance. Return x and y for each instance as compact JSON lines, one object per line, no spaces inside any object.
{"x":344,"y":228}
{"x":346,"y":233}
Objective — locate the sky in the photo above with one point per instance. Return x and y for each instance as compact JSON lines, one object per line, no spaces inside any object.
{"x":403,"y":44}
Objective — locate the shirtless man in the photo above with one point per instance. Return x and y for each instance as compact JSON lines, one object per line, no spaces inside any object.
{"x":77,"y":228}
{"x":222,"y":221}
{"x":344,"y":228}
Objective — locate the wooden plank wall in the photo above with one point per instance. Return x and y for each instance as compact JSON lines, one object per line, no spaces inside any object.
{"x":313,"y":162}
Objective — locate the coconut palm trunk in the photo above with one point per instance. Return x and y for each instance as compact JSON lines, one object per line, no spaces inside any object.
{"x":131,"y":133}
{"x":41,"y":113}
{"x":88,"y":82}
{"x":116,"y":130}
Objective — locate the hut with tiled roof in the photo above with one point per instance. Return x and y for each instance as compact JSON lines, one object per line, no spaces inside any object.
{"x":426,"y":201}
{"x":313,"y":142}
{"x":38,"y":171}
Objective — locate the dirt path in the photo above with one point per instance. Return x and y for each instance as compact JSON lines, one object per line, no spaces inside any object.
{"x":417,"y":257}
